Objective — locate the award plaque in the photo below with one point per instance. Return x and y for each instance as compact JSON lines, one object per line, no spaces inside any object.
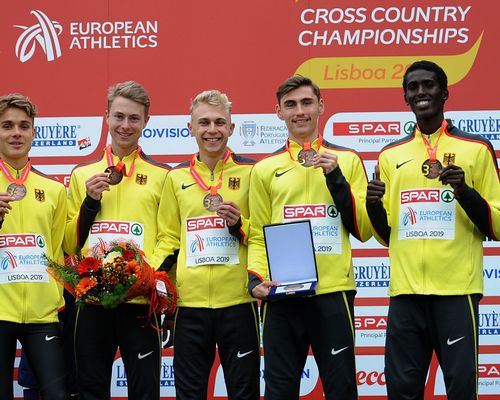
{"x":291,"y":259}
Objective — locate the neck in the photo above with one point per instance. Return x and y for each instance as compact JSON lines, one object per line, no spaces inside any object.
{"x":211,"y":159}
{"x":301,"y":139}
{"x":121,"y":152}
{"x":431,"y":125}
{"x":18,"y":163}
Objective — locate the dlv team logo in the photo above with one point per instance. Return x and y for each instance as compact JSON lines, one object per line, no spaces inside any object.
{"x":45,"y":33}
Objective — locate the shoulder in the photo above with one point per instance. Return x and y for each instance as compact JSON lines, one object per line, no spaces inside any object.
{"x":48,"y":180}
{"x":151,"y":161}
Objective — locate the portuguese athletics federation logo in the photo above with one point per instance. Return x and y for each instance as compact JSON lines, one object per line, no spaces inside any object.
{"x":45,"y":33}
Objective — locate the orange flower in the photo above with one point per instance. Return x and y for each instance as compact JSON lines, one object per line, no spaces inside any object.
{"x":87,"y":265}
{"x":85,"y":284}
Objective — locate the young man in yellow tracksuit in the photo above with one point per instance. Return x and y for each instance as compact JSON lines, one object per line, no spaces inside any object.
{"x":104,"y":206}
{"x":32,"y":219}
{"x":436,"y":196}
{"x":309,"y":179}
{"x":204,"y":220}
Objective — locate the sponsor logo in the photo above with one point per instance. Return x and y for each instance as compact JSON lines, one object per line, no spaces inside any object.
{"x":184,"y":186}
{"x":278,"y":174}
{"x":371,"y":322}
{"x":366,"y":128}
{"x":249,"y":131}
{"x":399,"y":165}
{"x":451,"y":342}
{"x":372,"y":275}
{"x":241,"y":355}
{"x":370,"y":378}
{"x":165,"y":133}
{"x":141,"y":356}
{"x":197,"y":244}
{"x":84,"y":143}
{"x":489,"y":323}
{"x":100,"y":227}
{"x":45,"y":33}
{"x":306,"y":211}
{"x":18,"y":241}
{"x":8,"y":261}
{"x":212,"y":222}
{"x":410,"y":217}
{"x":420,"y":196}
{"x":56,"y":135}
{"x":49,"y":338}
{"x":84,"y":35}
{"x":409,"y":127}
{"x":335,"y":352}
{"x":488,"y":370}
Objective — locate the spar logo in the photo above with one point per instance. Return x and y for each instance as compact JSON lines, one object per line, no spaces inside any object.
{"x":372,"y":322}
{"x":410,"y":217}
{"x":488,"y":370}
{"x":420,"y":196}
{"x":366,"y":128}
{"x":197,"y":244}
{"x":306,"y":211}
{"x":116,"y":228}
{"x":8,"y":261}
{"x":203,"y":223}
{"x":44,"y":33}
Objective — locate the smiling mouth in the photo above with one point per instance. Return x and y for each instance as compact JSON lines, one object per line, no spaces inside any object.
{"x":212,"y":139}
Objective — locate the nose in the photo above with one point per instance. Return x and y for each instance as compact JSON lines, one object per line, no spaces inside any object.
{"x":211,"y":127}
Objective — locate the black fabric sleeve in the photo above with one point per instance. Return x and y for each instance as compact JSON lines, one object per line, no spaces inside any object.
{"x":169,"y":262}
{"x":477,"y":210}
{"x":253,"y":280}
{"x":340,"y":191}
{"x":378,"y":217}
{"x":88,"y":212}
{"x":235,"y":230}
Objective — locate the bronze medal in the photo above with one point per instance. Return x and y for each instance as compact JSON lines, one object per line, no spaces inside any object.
{"x":431,"y":168}
{"x":115,"y":176}
{"x":212,"y":203}
{"x":17,"y":191}
{"x":306,"y":157}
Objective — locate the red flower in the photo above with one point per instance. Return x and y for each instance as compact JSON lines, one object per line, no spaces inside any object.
{"x":87,"y":265}
{"x":128,"y":255}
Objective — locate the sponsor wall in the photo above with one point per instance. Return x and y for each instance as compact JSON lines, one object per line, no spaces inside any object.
{"x":65,"y":55}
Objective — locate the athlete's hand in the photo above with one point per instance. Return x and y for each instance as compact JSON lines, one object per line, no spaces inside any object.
{"x":376,"y":188}
{"x":261,"y":291}
{"x":167,"y":332}
{"x":5,"y":199}
{"x":454,"y":176}
{"x":325,"y":160}
{"x":97,"y":184}
{"x":230,"y":212}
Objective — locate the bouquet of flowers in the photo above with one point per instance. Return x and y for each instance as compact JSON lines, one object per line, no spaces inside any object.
{"x":111,"y":275}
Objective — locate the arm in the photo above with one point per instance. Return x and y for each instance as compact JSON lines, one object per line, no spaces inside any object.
{"x":348,"y":193}
{"x":375,"y":209}
{"x":5,"y":207}
{"x":169,"y":229}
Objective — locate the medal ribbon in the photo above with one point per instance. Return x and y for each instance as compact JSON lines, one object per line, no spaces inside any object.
{"x":121,"y":165}
{"x":306,"y":147}
{"x":9,"y":176}
{"x":432,"y":151}
{"x":199,"y":180}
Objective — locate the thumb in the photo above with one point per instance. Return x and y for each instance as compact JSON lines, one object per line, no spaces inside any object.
{"x":377,"y":172}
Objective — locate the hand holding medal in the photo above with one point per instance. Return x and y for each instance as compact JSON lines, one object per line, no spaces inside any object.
{"x":5,"y":207}
{"x":230,"y":212}
{"x":327,"y":161}
{"x":96,"y":185}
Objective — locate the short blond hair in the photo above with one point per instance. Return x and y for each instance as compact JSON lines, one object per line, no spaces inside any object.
{"x":131,"y":90}
{"x":212,"y":97}
{"x":17,"y":100}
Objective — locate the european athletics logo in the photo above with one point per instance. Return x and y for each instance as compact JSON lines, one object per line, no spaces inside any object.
{"x":197,"y":244}
{"x":46,"y":33}
{"x":410,"y":217}
{"x":8,"y":260}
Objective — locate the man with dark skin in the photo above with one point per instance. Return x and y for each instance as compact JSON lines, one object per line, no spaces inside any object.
{"x":435,"y":237}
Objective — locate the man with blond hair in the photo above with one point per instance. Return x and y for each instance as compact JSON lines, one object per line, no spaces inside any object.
{"x":123,"y":187}
{"x":32,"y":219}
{"x":203,"y":219}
